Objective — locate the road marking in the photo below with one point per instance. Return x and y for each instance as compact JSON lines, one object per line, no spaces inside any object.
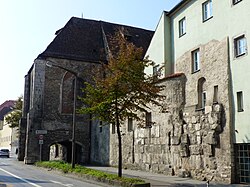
{"x":24,"y":180}
{"x":56,"y":182}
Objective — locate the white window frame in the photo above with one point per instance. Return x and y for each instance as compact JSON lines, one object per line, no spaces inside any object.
{"x":207,"y":10}
{"x":240,"y":46}
{"x":182,"y":27}
{"x":195,"y":60}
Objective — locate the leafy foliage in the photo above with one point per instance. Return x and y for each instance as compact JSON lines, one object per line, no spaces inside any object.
{"x":121,"y":87}
{"x":13,"y":118}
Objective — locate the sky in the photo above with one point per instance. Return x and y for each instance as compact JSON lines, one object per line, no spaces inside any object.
{"x":27,"y":27}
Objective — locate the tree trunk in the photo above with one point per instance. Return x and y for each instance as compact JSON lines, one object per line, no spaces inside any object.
{"x":119,"y":147}
{"x":119,"y":138}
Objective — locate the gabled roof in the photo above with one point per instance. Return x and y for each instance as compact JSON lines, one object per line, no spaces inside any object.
{"x":85,"y":40}
{"x":6,"y":107}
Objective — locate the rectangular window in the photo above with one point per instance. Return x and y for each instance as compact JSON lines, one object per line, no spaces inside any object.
{"x":203,"y":99}
{"x":113,"y":128}
{"x":236,"y":1}
{"x":196,"y":60}
{"x":156,"y":71}
{"x":130,"y":124}
{"x":240,"y":45}
{"x":182,"y":27}
{"x":100,"y":127}
{"x":148,"y":120}
{"x":215,"y":99}
{"x":207,"y":10}
{"x":240,"y":101}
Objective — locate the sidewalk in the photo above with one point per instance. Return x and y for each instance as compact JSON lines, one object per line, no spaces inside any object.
{"x":160,"y":180}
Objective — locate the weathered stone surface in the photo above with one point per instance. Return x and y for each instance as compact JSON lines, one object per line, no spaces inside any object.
{"x":196,"y":149}
{"x":211,"y":138}
{"x":44,"y":110}
{"x":184,"y":139}
{"x":184,"y":150}
{"x":175,"y":140}
{"x":188,"y":138}
{"x":207,"y":150}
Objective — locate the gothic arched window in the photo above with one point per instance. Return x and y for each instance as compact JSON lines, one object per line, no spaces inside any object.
{"x":67,"y":93}
{"x":202,"y":96}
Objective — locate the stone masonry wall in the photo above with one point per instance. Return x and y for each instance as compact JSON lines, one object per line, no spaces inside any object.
{"x":186,"y":140}
{"x":212,"y":124}
{"x":44,"y":112}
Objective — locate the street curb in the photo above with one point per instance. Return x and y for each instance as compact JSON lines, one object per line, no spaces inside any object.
{"x":97,"y":179}
{"x":110,"y":182}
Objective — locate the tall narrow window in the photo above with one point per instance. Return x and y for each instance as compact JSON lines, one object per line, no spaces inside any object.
{"x":100,"y":126}
{"x":67,"y":93}
{"x":202,"y":96}
{"x":240,"y":101}
{"x":207,"y":10}
{"x":215,"y":99}
{"x":240,"y":45}
{"x":156,"y":72}
{"x":130,"y":124}
{"x":148,"y":120}
{"x":182,"y":27}
{"x":113,"y":128}
{"x":203,"y":99}
{"x":195,"y":60}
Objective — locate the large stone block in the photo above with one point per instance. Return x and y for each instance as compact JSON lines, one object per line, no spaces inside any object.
{"x":193,"y":139}
{"x":184,"y":150}
{"x":216,"y":127}
{"x":175,"y":140}
{"x":155,"y":167}
{"x":207,"y":149}
{"x":185,"y":139}
{"x":196,"y":149}
{"x":217,"y":108}
{"x":211,"y":138}
{"x":208,"y":109}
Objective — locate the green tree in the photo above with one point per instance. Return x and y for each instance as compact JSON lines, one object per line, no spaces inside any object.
{"x":121,"y":89}
{"x":13,"y":118}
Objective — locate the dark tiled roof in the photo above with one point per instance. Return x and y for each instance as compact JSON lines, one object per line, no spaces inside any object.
{"x":6,"y":107}
{"x":83,"y":39}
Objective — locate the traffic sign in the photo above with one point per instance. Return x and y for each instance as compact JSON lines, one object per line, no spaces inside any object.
{"x":41,"y":131}
{"x":40,"y":137}
{"x":40,"y":142}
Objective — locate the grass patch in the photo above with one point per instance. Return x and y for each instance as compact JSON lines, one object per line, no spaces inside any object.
{"x":66,"y":168}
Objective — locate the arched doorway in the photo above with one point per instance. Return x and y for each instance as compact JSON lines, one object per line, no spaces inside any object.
{"x":63,"y":151}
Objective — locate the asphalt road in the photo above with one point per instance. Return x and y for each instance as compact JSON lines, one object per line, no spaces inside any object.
{"x":16,"y":174}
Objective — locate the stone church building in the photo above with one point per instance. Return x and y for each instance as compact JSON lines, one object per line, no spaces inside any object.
{"x":46,"y":125}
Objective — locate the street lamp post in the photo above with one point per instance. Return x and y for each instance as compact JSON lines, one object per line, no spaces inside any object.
{"x":52,"y":64}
